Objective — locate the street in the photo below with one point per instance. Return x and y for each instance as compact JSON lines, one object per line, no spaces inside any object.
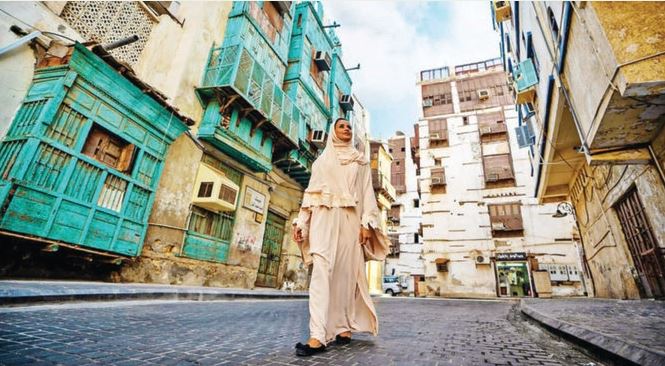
{"x":412,"y":332}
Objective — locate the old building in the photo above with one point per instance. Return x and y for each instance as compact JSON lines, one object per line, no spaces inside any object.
{"x":258,"y":82}
{"x":404,"y":219}
{"x":588,"y":77}
{"x":380,"y":161}
{"x":484,"y":234}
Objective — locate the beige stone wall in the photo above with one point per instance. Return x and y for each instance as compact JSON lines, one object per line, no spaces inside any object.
{"x":594,"y":193}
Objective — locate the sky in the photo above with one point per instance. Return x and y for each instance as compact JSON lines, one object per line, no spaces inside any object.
{"x":394,"y":40}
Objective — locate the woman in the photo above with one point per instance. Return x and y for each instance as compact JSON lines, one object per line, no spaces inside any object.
{"x":337,"y":230}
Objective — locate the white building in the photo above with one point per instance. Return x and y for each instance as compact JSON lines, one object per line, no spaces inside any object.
{"x":405,"y":217}
{"x":484,"y":232}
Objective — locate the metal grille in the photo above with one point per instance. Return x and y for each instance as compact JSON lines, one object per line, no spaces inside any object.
{"x":109,"y":21}
{"x":643,"y":246}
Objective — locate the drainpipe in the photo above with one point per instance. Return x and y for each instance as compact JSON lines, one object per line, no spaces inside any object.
{"x":544,"y":140}
{"x":656,"y":162}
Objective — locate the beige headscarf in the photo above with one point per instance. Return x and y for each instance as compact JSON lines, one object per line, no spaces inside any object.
{"x":325,"y":188}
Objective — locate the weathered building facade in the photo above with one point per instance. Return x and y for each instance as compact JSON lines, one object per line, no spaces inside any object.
{"x":404,"y":218}
{"x":380,"y":162}
{"x":484,"y":234}
{"x":590,"y":81}
{"x":258,"y":82}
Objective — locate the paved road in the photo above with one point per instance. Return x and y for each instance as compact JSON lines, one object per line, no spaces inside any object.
{"x":412,"y":332}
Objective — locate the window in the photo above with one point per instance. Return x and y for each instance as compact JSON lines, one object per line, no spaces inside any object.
{"x":316,"y":74}
{"x":416,"y":239}
{"x":216,"y":225}
{"x":508,"y":46}
{"x":553,"y":26}
{"x":227,"y":194}
{"x":505,"y":217}
{"x":402,"y":149}
{"x":465,"y":120}
{"x":416,"y":202}
{"x":437,"y":161}
{"x":113,"y":193}
{"x":497,"y":168}
{"x":205,"y":190}
{"x":397,"y":163}
{"x":390,"y":150}
{"x":274,"y":16}
{"x":109,"y":149}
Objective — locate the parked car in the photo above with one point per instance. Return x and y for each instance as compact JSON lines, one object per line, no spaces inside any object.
{"x":391,"y":285}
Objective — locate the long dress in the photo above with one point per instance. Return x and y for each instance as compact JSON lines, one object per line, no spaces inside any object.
{"x":339,"y":296}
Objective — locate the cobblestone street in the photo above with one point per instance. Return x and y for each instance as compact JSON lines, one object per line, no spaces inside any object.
{"x":412,"y":332}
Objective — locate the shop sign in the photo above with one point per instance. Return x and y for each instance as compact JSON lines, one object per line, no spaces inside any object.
{"x":517,"y":256}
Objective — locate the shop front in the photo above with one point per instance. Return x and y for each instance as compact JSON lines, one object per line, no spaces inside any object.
{"x":513,"y":275}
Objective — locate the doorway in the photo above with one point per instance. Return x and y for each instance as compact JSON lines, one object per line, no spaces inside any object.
{"x":271,"y":251}
{"x":643,"y":247}
{"x":513,"y":279}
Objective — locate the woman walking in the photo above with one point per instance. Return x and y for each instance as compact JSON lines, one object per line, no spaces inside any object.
{"x":337,"y":231}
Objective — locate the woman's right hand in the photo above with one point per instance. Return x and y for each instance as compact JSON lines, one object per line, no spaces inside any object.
{"x":297,"y":234}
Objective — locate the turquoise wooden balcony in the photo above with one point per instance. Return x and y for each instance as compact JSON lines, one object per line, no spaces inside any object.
{"x":83,"y":157}
{"x":340,"y":90}
{"x":237,"y":82}
{"x":297,"y":164}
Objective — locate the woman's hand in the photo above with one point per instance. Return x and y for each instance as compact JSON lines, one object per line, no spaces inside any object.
{"x":297,"y":234}
{"x":364,"y":236}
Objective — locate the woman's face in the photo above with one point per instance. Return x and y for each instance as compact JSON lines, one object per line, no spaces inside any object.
{"x":343,"y":130}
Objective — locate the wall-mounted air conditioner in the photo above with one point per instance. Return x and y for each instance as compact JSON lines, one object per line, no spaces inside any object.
{"x":499,"y":226}
{"x":319,"y":138}
{"x":346,"y":103}
{"x":483,"y":94}
{"x":482,"y":259}
{"x":427,"y":102}
{"x":322,"y":60}
{"x":214,"y":191}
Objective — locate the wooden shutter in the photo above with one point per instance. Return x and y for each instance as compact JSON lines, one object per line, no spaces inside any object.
{"x":497,"y":168}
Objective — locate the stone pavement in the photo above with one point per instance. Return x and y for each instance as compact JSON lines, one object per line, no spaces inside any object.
{"x":263,"y":332}
{"x":23,"y":292}
{"x":631,"y":329}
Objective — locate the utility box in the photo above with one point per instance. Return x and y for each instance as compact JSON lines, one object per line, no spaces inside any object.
{"x":542,"y":283}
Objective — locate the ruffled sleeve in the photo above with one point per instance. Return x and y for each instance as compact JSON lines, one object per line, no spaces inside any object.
{"x":302,"y":221}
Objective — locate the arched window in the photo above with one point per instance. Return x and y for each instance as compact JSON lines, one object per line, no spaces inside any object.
{"x":553,"y":26}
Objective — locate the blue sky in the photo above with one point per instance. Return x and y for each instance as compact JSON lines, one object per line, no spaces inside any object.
{"x":393,"y":40}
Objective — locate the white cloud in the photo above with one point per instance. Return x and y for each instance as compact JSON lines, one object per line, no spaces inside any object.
{"x":394,"y":40}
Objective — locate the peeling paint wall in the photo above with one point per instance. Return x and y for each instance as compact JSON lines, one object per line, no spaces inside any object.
{"x":595,"y":192}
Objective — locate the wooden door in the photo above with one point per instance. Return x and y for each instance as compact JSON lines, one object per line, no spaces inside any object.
{"x":643,"y":247}
{"x":271,"y":251}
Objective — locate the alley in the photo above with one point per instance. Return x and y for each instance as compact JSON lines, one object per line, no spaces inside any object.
{"x":412,"y":332}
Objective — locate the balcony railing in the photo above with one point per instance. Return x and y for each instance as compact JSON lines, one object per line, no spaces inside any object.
{"x":233,"y":71}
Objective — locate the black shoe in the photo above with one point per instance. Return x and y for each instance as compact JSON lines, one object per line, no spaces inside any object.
{"x":305,"y":350}
{"x":341,"y":340}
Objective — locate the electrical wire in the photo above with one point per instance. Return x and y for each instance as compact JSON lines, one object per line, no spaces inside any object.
{"x":37,"y":29}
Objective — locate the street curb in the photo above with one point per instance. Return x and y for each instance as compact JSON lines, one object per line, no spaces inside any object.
{"x":630,"y":352}
{"x":164,"y":295}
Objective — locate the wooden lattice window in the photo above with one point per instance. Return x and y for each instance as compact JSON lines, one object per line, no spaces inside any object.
{"x":205,"y":189}
{"x":498,"y":168}
{"x":109,"y":149}
{"x":438,"y":131}
{"x":438,"y":177}
{"x":492,"y":124}
{"x":505,"y":218}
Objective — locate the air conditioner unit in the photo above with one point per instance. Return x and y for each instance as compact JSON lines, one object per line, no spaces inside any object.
{"x":492,"y":178}
{"x":322,"y":60}
{"x":483,"y":94}
{"x":525,"y":79}
{"x":346,"y":103}
{"x":501,"y":10}
{"x":319,"y":138}
{"x":434,"y":136}
{"x":214,"y":191}
{"x":436,"y":181}
{"x":427,"y":102}
{"x":482,"y":259}
{"x":499,"y":226}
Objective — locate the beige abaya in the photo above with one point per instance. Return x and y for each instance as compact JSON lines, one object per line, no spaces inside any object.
{"x":338,"y":200}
